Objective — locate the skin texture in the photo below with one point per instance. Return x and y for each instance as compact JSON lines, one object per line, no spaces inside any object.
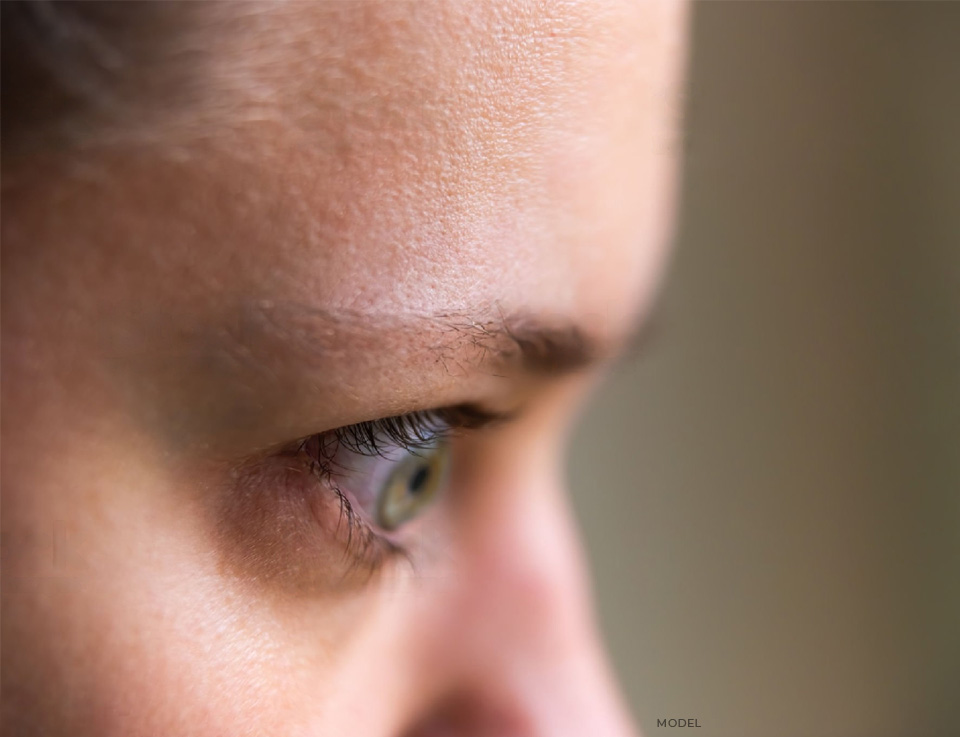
{"x":348,"y":221}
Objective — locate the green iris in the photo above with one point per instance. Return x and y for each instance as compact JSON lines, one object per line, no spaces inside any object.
{"x":411,"y":486}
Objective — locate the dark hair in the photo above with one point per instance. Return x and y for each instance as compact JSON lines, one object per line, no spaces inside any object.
{"x":72,"y":70}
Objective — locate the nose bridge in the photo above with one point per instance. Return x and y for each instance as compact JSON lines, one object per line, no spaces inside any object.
{"x":528,"y":624}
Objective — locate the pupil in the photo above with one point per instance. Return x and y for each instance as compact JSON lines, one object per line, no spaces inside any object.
{"x":418,"y":480}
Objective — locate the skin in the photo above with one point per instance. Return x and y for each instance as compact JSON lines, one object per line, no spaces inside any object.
{"x":347,"y":225}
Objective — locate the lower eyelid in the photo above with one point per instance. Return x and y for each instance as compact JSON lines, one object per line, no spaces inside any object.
{"x":280,"y":525}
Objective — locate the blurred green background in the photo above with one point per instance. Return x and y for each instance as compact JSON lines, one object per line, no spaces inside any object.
{"x":770,"y":494}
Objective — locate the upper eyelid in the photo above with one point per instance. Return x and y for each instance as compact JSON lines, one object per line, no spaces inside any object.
{"x":410,"y":431}
{"x":413,"y":429}
{"x":475,"y":417}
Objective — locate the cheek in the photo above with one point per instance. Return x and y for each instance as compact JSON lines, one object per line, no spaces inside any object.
{"x":189,"y":665}
{"x":127,"y":627}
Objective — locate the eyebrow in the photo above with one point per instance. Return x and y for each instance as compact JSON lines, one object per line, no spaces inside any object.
{"x":533,"y":345}
{"x":504,"y":342}
{"x":270,"y":368}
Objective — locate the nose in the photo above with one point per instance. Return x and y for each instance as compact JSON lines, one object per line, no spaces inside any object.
{"x":532,"y":663}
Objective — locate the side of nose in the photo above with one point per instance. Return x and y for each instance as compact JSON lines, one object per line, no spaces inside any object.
{"x":531,"y":659}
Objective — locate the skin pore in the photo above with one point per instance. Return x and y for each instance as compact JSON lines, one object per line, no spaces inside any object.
{"x":352,"y":211}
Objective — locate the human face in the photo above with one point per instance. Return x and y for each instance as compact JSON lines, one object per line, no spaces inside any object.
{"x":376,"y":209}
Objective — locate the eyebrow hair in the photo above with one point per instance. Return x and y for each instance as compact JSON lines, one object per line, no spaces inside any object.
{"x":534,"y":344}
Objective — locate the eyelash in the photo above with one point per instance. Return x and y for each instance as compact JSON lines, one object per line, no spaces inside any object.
{"x":414,"y":431}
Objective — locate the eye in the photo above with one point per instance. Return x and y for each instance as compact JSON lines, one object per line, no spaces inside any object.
{"x":394,"y":486}
{"x":388,"y":471}
{"x":332,"y":509}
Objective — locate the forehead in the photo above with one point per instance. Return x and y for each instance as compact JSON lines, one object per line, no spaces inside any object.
{"x":424,"y":157}
{"x":392,"y":158}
